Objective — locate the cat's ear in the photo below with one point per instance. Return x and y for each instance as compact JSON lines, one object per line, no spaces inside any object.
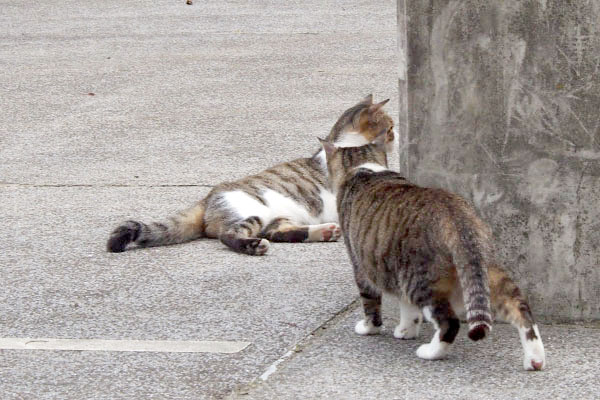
{"x":328,"y":147}
{"x":368,"y":99}
{"x":377,"y":107}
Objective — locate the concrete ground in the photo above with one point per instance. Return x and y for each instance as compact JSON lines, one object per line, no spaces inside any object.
{"x":113,"y":110}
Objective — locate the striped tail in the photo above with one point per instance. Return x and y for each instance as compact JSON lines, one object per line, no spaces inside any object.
{"x":471,"y":266}
{"x":185,"y":226}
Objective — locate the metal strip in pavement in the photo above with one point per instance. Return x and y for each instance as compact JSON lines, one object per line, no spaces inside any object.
{"x":167,"y":346}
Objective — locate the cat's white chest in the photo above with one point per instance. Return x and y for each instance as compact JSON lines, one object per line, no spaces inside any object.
{"x":329,"y":213}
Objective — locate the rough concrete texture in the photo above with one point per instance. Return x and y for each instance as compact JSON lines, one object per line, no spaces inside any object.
{"x":58,"y":282}
{"x":339,"y":364}
{"x":503,"y":102}
{"x":113,"y":110}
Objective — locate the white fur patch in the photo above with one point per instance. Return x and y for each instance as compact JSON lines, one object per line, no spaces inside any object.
{"x":533,"y":350}
{"x":407,"y":328}
{"x":329,"y":213}
{"x":322,"y":160}
{"x":364,"y":327}
{"x":434,"y":350}
{"x":281,"y":206}
{"x":351,"y":139}
{"x":277,"y":206}
{"x":373,"y":167}
{"x":428,"y":316}
{"x":246,"y":206}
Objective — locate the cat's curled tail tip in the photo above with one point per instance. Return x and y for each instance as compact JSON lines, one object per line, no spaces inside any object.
{"x":116,"y":245}
{"x":479,"y":331}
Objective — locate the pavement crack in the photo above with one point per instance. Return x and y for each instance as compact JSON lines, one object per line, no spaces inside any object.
{"x":299,"y":347}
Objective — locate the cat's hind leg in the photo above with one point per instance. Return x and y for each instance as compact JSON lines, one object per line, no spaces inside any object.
{"x":241,"y":236}
{"x":446,"y":325}
{"x":285,"y":230}
{"x":410,"y":321}
{"x":510,"y":305}
{"x":371,"y":302}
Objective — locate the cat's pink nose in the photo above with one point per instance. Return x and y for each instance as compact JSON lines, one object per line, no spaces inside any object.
{"x":537,"y":365}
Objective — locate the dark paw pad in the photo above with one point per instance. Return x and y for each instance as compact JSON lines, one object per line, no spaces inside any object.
{"x":122,"y":236}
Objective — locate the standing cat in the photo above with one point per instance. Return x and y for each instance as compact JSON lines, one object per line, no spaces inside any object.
{"x":427,"y":247}
{"x":289,"y":202}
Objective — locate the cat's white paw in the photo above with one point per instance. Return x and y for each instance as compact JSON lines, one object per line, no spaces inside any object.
{"x":410,"y":321}
{"x":534,"y":358}
{"x":406,"y":332}
{"x":332,"y":233}
{"x":364,"y":327}
{"x":433,"y":351}
{"x":262,"y":247}
{"x":324,"y":233}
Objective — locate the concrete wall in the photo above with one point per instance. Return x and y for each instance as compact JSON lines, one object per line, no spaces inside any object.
{"x":501,"y":103}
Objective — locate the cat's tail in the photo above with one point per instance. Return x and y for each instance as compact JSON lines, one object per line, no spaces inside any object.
{"x":185,"y":226}
{"x":471,"y":260}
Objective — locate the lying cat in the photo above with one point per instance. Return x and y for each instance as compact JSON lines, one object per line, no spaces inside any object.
{"x":290,"y":202}
{"x":427,"y":247}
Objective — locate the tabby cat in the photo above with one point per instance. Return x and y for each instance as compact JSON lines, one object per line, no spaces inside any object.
{"x":427,"y":247}
{"x":289,"y":202}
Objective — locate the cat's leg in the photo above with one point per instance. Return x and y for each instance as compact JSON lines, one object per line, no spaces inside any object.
{"x":284,"y":230}
{"x":511,"y":306}
{"x":410,"y":321}
{"x":446,"y":325}
{"x":242,"y":237}
{"x":370,"y":297}
{"x":371,"y":302}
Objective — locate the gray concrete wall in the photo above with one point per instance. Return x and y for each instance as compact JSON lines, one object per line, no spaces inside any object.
{"x":500,"y":103}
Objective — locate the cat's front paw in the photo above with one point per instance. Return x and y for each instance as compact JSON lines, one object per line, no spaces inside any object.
{"x":406,"y":332}
{"x":366,"y":327}
{"x":433,"y":351}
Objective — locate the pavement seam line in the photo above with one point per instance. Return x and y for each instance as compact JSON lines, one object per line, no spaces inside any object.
{"x":160,"y":346}
{"x":91,"y":185}
{"x":299,"y":347}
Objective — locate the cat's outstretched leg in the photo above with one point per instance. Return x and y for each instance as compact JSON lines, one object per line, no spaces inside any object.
{"x":446,"y":324}
{"x":284,"y":230}
{"x":410,"y":321}
{"x":242,"y":237}
{"x":510,"y":305}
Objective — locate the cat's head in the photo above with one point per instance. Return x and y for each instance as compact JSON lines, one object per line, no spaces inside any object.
{"x":342,"y":161}
{"x":362,"y":123}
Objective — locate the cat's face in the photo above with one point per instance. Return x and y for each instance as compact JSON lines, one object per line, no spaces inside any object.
{"x":343,"y":160}
{"x":362,"y":123}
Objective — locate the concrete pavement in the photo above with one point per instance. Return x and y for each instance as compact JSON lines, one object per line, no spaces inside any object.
{"x":113,"y":110}
{"x":338,"y":364}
